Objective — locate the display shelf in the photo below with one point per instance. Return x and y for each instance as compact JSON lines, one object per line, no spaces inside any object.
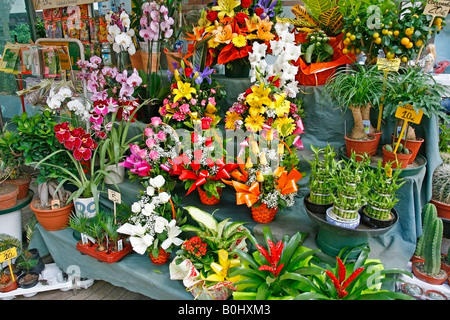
{"x":51,"y":278}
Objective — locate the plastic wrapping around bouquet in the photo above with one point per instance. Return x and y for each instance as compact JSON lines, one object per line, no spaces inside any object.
{"x":317,"y":74}
{"x":104,"y":256}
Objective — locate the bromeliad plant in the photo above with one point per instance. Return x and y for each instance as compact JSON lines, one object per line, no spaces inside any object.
{"x":273,"y":272}
{"x":193,"y":98}
{"x":361,"y":279}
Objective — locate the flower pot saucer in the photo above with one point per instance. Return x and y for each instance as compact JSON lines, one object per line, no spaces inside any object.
{"x":412,"y":169}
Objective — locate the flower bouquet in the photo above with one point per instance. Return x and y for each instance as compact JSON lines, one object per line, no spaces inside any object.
{"x":193,"y":98}
{"x":154,"y":225}
{"x":204,"y":260}
{"x":266,"y":182}
{"x":230,"y":27}
{"x":150,"y":158}
{"x":203,"y":167}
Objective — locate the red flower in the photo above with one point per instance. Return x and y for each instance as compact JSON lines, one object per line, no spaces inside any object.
{"x":62,"y":131}
{"x":72,"y":143}
{"x":273,"y":257}
{"x":82,"y":153}
{"x":246,"y":3}
{"x":340,"y":284}
{"x":187,"y":71}
{"x":276,"y":83}
{"x":206,"y":123}
{"x":211,"y":16}
{"x":240,"y":18}
{"x":259,"y":11}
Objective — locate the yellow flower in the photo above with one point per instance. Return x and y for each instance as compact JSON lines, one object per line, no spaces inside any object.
{"x":254,"y":122}
{"x":221,"y":269}
{"x":224,"y":34}
{"x":183,"y":90}
{"x":231,"y":118}
{"x":210,"y":108}
{"x":264,"y":28}
{"x":226,"y":7}
{"x":259,"y":96}
{"x":239,"y":41}
{"x":281,"y":105}
{"x":285,"y":125}
{"x":203,"y":22}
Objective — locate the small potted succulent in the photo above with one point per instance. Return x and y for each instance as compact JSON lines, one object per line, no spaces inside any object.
{"x":399,"y":156}
{"x":381,"y":198}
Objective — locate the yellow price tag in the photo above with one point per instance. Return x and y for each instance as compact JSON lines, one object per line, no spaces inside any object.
{"x":8,"y":254}
{"x":388,"y":64}
{"x":408,"y":113}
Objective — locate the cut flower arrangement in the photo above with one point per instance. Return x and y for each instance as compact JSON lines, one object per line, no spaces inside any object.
{"x":150,"y":157}
{"x":204,"y":260}
{"x":193,"y":98}
{"x":155,"y":221}
{"x":231,"y":27}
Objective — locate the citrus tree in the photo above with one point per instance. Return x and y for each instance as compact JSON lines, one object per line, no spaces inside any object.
{"x":397,"y":28}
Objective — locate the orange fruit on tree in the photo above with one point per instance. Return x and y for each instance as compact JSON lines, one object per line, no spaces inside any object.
{"x":404,"y":59}
{"x":396,"y":33}
{"x":405,"y":41}
{"x":418,"y":43}
{"x":345,"y":51}
{"x":353,"y":37}
{"x":376,"y":35}
{"x":409,"y":31}
{"x":410,"y":45}
{"x":377,"y":40}
{"x":346,"y":41}
{"x":437,"y":22}
{"x":385,"y":31}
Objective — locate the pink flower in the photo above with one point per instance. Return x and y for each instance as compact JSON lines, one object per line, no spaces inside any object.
{"x":156,"y":121}
{"x":141,"y":168}
{"x":212,"y":100}
{"x":122,"y":77}
{"x":148,"y":132}
{"x":136,"y":150}
{"x":112,"y":105}
{"x":179,"y":116}
{"x":161,"y":136}
{"x":206,"y":123}
{"x":126,"y":91}
{"x":193,"y":101}
{"x":134,"y":80}
{"x":163,"y":111}
{"x":150,"y":143}
{"x":100,"y":108}
{"x":153,"y":155}
{"x":184,"y":108}
{"x":100,"y":95}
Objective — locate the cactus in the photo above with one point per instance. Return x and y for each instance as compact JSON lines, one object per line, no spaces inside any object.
{"x":441,"y":184}
{"x":433,"y":243}
{"x":447,"y":258}
{"x":429,"y":214}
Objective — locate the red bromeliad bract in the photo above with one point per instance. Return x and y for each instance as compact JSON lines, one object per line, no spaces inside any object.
{"x":273,"y":257}
{"x":340,"y":283}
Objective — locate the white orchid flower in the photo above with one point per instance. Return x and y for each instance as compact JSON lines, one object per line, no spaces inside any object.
{"x":140,"y":244}
{"x":172,"y":232}
{"x":65,"y":92}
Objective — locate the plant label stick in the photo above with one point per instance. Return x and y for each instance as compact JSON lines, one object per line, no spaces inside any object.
{"x":407,"y":114}
{"x":7,"y":255}
{"x":386,"y":65}
{"x":114,"y":196}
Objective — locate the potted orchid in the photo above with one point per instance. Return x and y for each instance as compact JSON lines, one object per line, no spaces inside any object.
{"x":193,"y":98}
{"x":150,"y":157}
{"x":113,"y":110}
{"x":154,"y":224}
{"x":230,"y":28}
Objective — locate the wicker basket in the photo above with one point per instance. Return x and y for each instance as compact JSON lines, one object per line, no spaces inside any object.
{"x":262,"y":214}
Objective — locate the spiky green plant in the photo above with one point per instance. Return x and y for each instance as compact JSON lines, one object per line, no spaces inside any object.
{"x":429,"y":214}
{"x":433,"y":243}
{"x":440,"y":190}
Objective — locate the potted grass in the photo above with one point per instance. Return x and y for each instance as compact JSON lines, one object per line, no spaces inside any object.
{"x":381,"y":198}
{"x":358,"y":90}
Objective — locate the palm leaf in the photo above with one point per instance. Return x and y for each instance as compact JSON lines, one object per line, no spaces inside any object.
{"x":331,"y":21}
{"x":303,"y":18}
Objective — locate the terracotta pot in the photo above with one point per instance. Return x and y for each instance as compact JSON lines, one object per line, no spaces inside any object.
{"x":360,"y":147}
{"x":262,"y":214}
{"x":413,"y":145}
{"x":443,"y":210}
{"x":435,"y":295}
{"x":204,"y":197}
{"x":163,"y":257}
{"x":403,"y":159}
{"x":415,"y":258}
{"x":412,"y":289}
{"x":171,"y":60}
{"x":139,"y":61}
{"x":55,"y":219}
{"x":8,"y":195}
{"x":445,"y":265}
{"x":434,"y":280}
{"x":12,"y":285}
{"x":23,"y":183}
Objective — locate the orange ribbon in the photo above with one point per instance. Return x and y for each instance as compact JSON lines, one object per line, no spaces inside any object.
{"x":246,"y":194}
{"x":287,"y":182}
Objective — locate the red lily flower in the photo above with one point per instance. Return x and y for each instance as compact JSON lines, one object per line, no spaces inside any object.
{"x":273,"y":257}
{"x":341,"y":284}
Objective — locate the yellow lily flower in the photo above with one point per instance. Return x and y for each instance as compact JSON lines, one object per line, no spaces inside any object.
{"x":226,"y":7}
{"x":221,"y":268}
{"x":281,"y":105}
{"x":259,"y":96}
{"x":183,"y":90}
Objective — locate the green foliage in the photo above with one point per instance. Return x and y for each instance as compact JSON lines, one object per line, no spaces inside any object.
{"x":429,"y":214}
{"x":433,"y":243}
{"x":10,"y":157}
{"x":316,"y":49}
{"x":444,"y":138}
{"x":22,"y":33}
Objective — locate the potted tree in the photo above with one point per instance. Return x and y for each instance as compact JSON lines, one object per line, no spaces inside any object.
{"x":413,"y":87}
{"x":381,"y":197}
{"x":358,"y":90}
{"x":28,"y":278}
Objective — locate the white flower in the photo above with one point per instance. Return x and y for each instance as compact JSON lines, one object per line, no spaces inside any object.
{"x":281,"y":28}
{"x":150,"y":191}
{"x":160,"y":224}
{"x":53,"y":103}
{"x":172,"y":232}
{"x":136,"y":207}
{"x":164,"y":197}
{"x":157,"y":182}
{"x":65,"y":92}
{"x":140,"y":244}
{"x":148,"y":209}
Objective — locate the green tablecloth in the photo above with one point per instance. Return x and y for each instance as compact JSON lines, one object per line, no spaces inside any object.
{"x":324,"y":123}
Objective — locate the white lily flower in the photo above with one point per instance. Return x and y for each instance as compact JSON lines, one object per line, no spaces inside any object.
{"x":172,"y":232}
{"x":140,"y":244}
